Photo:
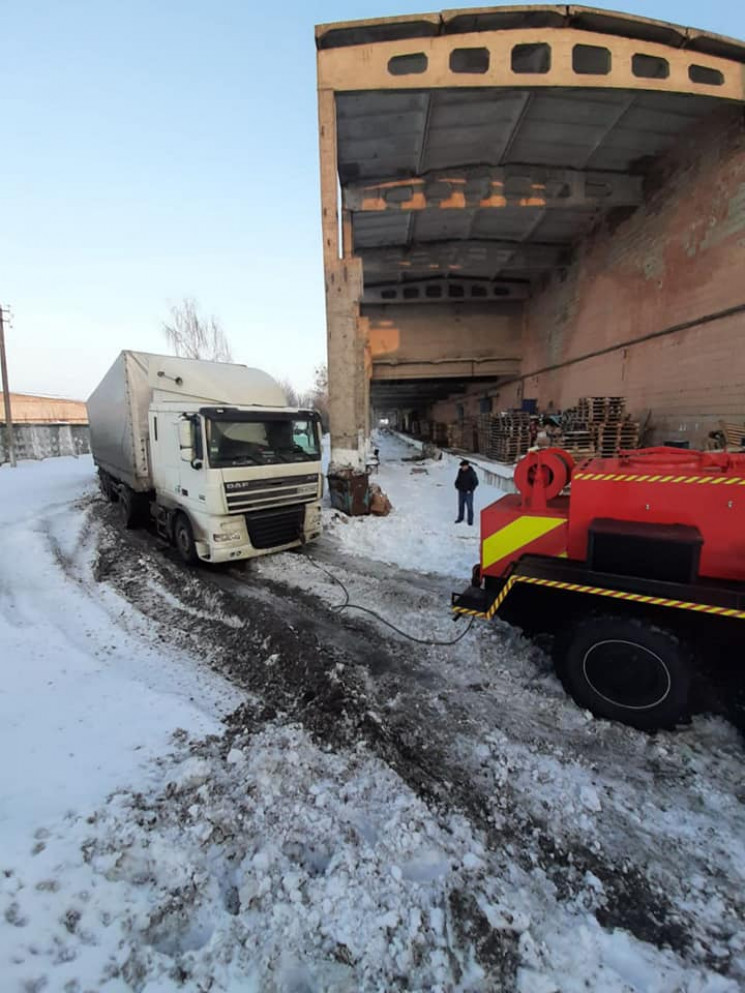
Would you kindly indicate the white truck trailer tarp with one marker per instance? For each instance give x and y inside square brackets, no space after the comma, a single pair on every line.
[117,414]
[118,407]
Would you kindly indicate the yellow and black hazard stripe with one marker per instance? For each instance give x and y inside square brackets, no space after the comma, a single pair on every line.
[622,477]
[699,608]
[517,535]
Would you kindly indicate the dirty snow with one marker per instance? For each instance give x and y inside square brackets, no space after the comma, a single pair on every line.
[147,845]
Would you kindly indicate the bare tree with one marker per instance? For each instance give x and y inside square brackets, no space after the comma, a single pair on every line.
[193,336]
[294,397]
[319,394]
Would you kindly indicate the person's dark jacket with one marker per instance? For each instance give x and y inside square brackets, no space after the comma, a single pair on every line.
[466,480]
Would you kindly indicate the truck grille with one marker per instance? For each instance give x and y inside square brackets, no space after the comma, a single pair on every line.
[272,528]
[257,494]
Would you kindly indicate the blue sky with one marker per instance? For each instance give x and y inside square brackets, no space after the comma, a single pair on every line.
[153,149]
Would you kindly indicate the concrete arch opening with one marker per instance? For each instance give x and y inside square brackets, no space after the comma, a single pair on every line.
[536,203]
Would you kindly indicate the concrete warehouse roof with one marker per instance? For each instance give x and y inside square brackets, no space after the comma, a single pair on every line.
[28,409]
[450,22]
[475,147]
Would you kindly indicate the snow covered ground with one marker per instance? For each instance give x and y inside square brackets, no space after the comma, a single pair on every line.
[214,782]
[85,697]
[420,533]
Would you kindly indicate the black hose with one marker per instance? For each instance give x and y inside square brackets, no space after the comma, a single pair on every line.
[338,608]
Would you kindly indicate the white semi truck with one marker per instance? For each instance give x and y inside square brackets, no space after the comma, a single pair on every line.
[210,452]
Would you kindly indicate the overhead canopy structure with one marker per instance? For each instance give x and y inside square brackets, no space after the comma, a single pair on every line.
[475,148]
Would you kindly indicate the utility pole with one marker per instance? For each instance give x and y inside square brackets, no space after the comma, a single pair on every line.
[6,392]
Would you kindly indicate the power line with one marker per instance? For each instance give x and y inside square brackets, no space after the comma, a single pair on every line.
[6,391]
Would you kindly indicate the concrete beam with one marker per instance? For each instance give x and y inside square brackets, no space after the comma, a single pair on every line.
[465,368]
[534,57]
[528,187]
[480,258]
[445,290]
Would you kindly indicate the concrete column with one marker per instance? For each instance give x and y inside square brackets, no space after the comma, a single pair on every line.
[346,335]
[346,362]
[364,330]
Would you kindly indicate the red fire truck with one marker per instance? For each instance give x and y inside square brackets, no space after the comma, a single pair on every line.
[636,566]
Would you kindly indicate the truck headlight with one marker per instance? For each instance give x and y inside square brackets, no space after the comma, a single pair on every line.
[233,535]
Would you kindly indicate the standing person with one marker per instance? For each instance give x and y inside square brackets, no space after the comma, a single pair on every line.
[465,483]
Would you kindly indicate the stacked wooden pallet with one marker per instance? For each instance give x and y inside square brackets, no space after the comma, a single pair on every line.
[504,437]
[734,436]
[597,410]
[617,436]
[598,426]
[576,435]
[440,434]
[461,434]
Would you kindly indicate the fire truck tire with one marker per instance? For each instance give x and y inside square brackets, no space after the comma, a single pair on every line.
[627,669]
[183,539]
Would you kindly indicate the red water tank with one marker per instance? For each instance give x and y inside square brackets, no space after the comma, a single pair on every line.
[705,490]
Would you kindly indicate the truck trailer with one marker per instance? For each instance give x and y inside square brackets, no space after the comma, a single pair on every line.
[210,453]
[635,565]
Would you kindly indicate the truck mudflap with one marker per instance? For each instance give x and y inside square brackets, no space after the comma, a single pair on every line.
[574,577]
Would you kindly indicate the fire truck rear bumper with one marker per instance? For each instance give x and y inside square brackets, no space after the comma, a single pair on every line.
[563,576]
[474,602]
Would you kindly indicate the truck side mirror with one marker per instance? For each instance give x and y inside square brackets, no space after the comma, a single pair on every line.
[186,440]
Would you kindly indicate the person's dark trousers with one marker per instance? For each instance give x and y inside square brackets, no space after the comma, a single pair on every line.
[465,502]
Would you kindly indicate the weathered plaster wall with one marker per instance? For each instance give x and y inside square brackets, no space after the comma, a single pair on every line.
[433,341]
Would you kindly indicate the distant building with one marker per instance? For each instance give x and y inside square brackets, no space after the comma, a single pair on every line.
[29,409]
[44,427]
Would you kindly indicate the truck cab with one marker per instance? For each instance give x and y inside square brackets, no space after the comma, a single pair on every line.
[210,452]
[250,481]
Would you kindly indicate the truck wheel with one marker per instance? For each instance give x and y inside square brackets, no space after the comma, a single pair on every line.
[183,539]
[626,669]
[128,507]
[107,488]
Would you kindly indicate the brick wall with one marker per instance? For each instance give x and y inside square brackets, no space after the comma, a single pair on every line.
[446,411]
[678,258]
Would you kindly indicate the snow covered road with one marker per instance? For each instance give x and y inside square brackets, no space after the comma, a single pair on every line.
[98,699]
[374,815]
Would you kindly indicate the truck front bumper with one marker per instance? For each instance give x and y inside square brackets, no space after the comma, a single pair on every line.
[307,527]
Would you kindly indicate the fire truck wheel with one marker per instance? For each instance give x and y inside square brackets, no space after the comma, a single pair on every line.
[627,669]
[183,539]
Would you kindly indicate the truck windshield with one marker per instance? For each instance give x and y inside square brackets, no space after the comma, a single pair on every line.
[261,442]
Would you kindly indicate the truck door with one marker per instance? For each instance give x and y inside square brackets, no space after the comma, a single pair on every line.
[165,461]
[192,471]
